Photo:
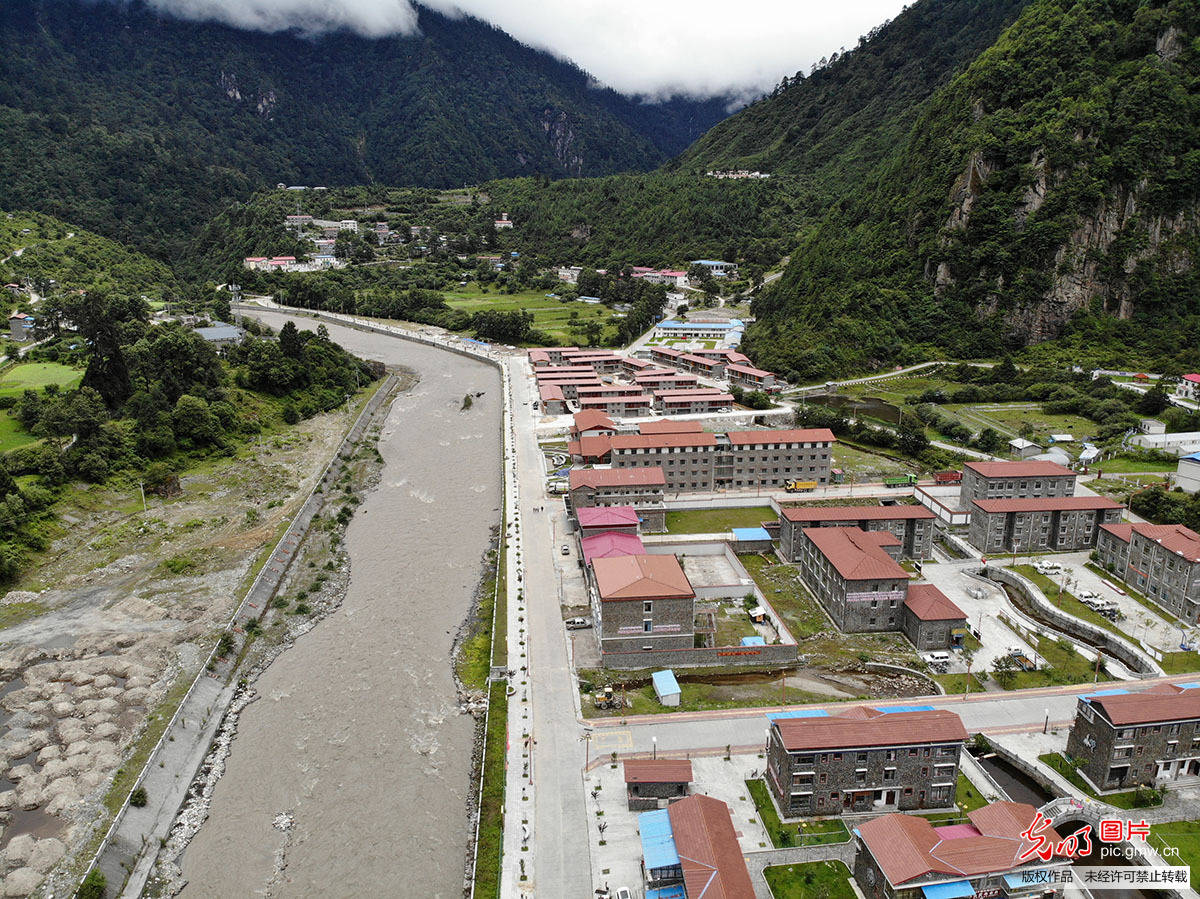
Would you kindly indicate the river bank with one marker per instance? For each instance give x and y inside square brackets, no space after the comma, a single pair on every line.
[355,763]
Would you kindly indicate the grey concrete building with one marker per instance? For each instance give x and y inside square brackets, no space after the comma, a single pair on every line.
[855,576]
[1123,739]
[1015,480]
[640,487]
[1041,524]
[864,759]
[931,620]
[912,525]
[1161,561]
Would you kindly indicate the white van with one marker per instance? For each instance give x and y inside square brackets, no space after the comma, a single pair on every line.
[938,657]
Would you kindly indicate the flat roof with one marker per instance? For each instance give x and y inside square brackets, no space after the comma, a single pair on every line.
[664,682]
[658,842]
[747,534]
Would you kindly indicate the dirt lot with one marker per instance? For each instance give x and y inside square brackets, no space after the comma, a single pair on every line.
[126,604]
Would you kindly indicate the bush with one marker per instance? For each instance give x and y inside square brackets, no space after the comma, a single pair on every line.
[138,797]
[94,886]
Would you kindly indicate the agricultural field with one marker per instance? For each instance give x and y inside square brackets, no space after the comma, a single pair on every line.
[550,314]
[36,375]
[1008,419]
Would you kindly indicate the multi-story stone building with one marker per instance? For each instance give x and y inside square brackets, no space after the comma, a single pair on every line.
[639,487]
[686,460]
[907,857]
[621,406]
[749,377]
[1162,561]
[665,380]
[692,401]
[855,577]
[1050,523]
[864,759]
[1015,480]
[643,604]
[930,619]
[912,525]
[1122,739]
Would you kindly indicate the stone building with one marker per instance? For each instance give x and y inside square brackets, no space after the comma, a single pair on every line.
[642,488]
[1161,561]
[854,576]
[1041,524]
[907,857]
[931,620]
[643,604]
[864,759]
[1123,739]
[1015,480]
[912,525]
[656,783]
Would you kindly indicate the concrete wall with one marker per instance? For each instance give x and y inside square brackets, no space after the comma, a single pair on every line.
[749,656]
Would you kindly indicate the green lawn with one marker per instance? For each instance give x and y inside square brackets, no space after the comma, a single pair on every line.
[717,521]
[787,595]
[1125,800]
[956,683]
[1066,666]
[827,880]
[815,832]
[1009,418]
[1129,464]
[966,797]
[697,697]
[35,375]
[1180,662]
[491,810]
[864,466]
[1068,602]
[549,314]
[1184,836]
[12,434]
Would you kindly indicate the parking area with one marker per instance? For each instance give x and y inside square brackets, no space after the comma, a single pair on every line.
[618,862]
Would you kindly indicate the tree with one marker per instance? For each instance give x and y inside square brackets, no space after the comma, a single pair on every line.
[289,340]
[193,420]
[100,317]
[910,438]
[1154,400]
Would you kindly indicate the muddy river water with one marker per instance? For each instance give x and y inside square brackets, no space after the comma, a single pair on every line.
[357,735]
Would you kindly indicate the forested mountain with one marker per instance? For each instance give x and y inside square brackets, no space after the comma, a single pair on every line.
[832,125]
[141,127]
[1051,189]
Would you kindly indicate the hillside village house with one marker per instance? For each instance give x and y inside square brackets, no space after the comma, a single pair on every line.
[1189,387]
[1161,561]
[1125,738]
[718,268]
[1187,473]
[864,759]
[908,857]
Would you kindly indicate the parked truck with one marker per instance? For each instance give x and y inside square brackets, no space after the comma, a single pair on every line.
[947,477]
[907,480]
[800,486]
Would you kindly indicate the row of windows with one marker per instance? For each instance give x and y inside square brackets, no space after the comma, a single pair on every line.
[809,758]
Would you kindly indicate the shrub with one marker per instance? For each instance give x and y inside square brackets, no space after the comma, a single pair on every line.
[94,886]
[138,797]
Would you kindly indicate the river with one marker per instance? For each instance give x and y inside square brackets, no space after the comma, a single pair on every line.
[357,735]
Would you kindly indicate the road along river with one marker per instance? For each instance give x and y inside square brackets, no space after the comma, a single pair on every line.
[358,736]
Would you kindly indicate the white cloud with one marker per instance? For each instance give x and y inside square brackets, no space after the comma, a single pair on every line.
[654,47]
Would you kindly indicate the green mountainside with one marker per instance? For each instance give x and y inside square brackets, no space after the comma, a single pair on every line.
[1050,190]
[832,125]
[142,127]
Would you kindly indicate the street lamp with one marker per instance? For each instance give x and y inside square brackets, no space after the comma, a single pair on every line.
[1046,726]
[654,743]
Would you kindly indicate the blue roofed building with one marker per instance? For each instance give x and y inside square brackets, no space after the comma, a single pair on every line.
[691,851]
[1187,473]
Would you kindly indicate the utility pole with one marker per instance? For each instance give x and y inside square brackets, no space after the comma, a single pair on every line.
[142,488]
[235,298]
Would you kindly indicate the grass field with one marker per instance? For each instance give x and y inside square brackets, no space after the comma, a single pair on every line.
[696,697]
[864,466]
[12,434]
[956,683]
[828,880]
[35,375]
[1129,465]
[1126,800]
[782,587]
[1184,836]
[807,833]
[1068,602]
[716,521]
[549,314]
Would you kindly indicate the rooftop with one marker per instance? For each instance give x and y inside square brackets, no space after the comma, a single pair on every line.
[747,370]
[646,475]
[1173,537]
[607,516]
[1047,504]
[658,771]
[929,603]
[713,866]
[641,577]
[1030,469]
[856,554]
[863,727]
[611,545]
[855,513]
[794,435]
[648,441]
[1148,706]
[593,418]
[670,426]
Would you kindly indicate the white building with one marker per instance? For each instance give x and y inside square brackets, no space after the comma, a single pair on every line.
[718,268]
[502,222]
[1022,448]
[1189,387]
[1187,475]
[1178,444]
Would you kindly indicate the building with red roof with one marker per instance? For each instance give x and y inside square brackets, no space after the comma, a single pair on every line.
[1129,738]
[641,487]
[693,845]
[1014,480]
[855,576]
[611,545]
[905,855]
[591,424]
[930,619]
[670,426]
[649,783]
[644,603]
[1040,524]
[1189,387]
[1162,561]
[912,524]
[594,519]
[863,759]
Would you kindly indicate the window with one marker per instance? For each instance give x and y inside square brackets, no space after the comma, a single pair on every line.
[647,607]
[647,626]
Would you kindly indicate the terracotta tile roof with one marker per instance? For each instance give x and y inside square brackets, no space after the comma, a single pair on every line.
[651,441]
[853,732]
[1173,537]
[593,418]
[1047,504]
[666,351]
[700,360]
[658,771]
[592,448]
[856,513]
[641,577]
[656,373]
[612,390]
[670,426]
[929,603]
[748,370]
[856,554]
[1123,531]
[550,392]
[1147,708]
[639,400]
[713,866]
[1030,469]
[907,847]
[611,545]
[795,435]
[607,516]
[647,475]
[683,392]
